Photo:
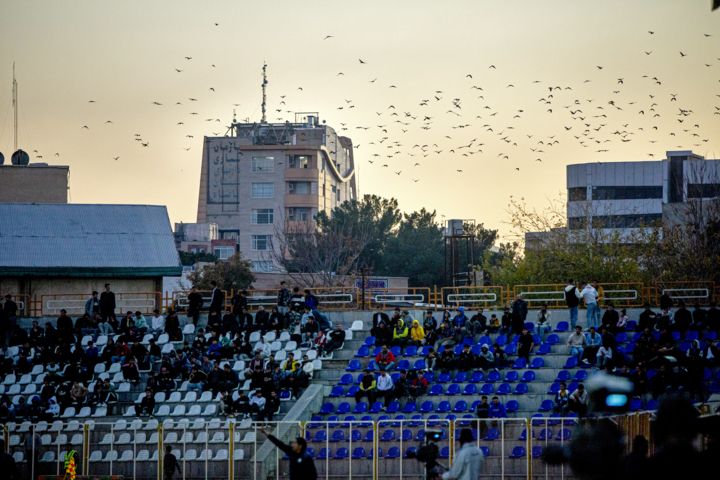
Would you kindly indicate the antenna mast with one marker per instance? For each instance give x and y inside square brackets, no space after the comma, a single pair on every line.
[15,107]
[264,117]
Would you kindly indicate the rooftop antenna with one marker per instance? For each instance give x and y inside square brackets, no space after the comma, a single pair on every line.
[264,118]
[15,107]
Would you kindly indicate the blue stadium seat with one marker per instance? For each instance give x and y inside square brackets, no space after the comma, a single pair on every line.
[388,436]
[630,325]
[460,406]
[352,390]
[427,407]
[418,365]
[345,408]
[714,387]
[484,340]
[518,452]
[676,336]
[327,408]
[637,336]
[621,337]
[436,389]
[537,363]
[395,376]
[443,378]
[453,389]
[420,435]
[415,421]
[530,326]
[538,419]
[320,436]
[580,376]
[630,347]
[376,352]
[544,349]
[409,450]
[536,339]
[445,452]
[546,406]
[684,347]
[354,366]
[467,420]
[562,327]
[487,389]
[372,366]
[403,365]
[311,451]
[397,420]
[332,419]
[554,388]
[515,339]
[429,376]
[368,436]
[635,404]
[425,350]
[346,379]
[337,436]
[710,335]
[460,377]
[370,456]
[324,453]
[407,435]
[361,407]
[476,377]
[511,376]
[369,342]
[315,425]
[492,434]
[467,341]
[410,351]
[443,407]
[358,452]
[458,350]
[337,391]
[545,434]
[409,407]
[493,377]
[652,404]
[396,351]
[359,378]
[501,340]
[555,419]
[470,389]
[563,434]
[537,452]
[376,407]
[523,435]
[521,389]
[572,362]
[708,374]
[552,339]
[511,349]
[362,352]
[504,389]
[512,406]
[528,376]
[485,451]
[393,407]
[519,363]
[474,405]
[347,420]
[393,452]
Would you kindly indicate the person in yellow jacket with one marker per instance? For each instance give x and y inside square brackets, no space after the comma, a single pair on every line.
[417,334]
[400,336]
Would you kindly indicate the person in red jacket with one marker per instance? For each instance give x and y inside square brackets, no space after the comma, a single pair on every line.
[418,386]
[385,359]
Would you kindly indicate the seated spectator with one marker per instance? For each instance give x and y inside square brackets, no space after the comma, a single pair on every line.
[382,334]
[466,359]
[241,405]
[36,335]
[461,325]
[172,327]
[712,318]
[604,357]
[447,361]
[543,321]
[229,322]
[130,371]
[593,343]
[308,367]
[154,354]
[385,360]
[431,360]
[230,379]
[92,355]
[214,380]
[140,353]
[384,388]
[335,341]
[621,323]
[710,354]
[525,345]
[499,357]
[445,333]
[147,404]
[151,383]
[255,363]
[663,381]
[277,320]
[699,318]
[561,400]
[506,322]
[665,320]
[485,359]
[320,343]
[140,323]
[429,327]
[310,329]
[121,352]
[53,408]
[494,324]
[257,404]
[417,335]
[647,319]
[682,317]
[78,393]
[157,324]
[610,317]
[478,322]
[379,316]
[578,401]
[367,388]
[165,381]
[214,350]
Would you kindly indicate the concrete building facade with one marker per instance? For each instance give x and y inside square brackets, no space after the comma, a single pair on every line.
[34,183]
[263,175]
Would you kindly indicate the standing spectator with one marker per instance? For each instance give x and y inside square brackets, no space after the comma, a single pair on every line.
[239,303]
[683,318]
[543,321]
[172,327]
[590,296]
[157,324]
[468,462]
[572,301]
[385,360]
[283,298]
[195,303]
[712,318]
[107,304]
[525,345]
[699,317]
[36,335]
[7,463]
[385,388]
[311,301]
[576,344]
[302,466]
[600,292]
[578,401]
[506,322]
[482,410]
[297,301]
[147,404]
[518,311]
[336,340]
[561,400]
[272,405]
[9,312]
[92,306]
[379,316]
[367,388]
[170,464]
[217,299]
[33,451]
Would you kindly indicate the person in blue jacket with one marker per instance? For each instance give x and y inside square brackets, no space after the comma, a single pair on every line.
[460,327]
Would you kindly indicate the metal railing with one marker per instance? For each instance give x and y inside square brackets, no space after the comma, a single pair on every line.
[473,297]
[410,297]
[74,303]
[180,300]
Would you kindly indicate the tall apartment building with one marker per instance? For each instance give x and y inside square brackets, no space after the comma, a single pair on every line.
[624,195]
[262,175]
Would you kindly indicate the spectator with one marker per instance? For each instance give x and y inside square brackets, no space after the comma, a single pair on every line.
[478,322]
[157,324]
[494,324]
[130,371]
[647,319]
[337,338]
[217,298]
[430,360]
[699,317]
[576,344]
[543,321]
[165,381]
[382,334]
[140,323]
[590,296]
[147,404]
[262,320]
[518,312]
[604,357]
[466,360]
[460,325]
[139,353]
[407,318]
[446,333]
[78,393]
[482,410]
[499,357]
[447,360]
[7,463]
[241,405]
[561,400]
[230,379]
[593,343]
[379,316]
[214,350]
[506,322]
[297,301]
[272,406]
[311,301]
[621,323]
[214,380]
[683,318]
[121,352]
[320,343]
[525,345]
[367,388]
[400,335]
[283,298]
[107,304]
[572,301]
[384,388]
[385,360]
[417,334]
[611,317]
[401,387]
[33,450]
[665,320]
[291,365]
[710,354]
[170,464]
[154,353]
[486,358]
[310,329]
[712,318]
[578,401]
[497,409]
[277,320]
[418,386]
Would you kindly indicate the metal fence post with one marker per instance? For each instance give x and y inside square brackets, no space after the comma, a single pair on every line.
[231,453]
[528,453]
[161,453]
[86,447]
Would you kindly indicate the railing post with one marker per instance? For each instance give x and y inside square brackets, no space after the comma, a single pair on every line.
[160,451]
[86,447]
[528,448]
[231,453]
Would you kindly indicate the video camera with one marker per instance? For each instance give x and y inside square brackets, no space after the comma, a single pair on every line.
[429,453]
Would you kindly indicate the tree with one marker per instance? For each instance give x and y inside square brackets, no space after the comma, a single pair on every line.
[191,258]
[235,273]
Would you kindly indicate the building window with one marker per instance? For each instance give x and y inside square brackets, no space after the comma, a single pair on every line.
[263,190]
[299,213]
[262,216]
[626,221]
[263,164]
[299,161]
[197,250]
[626,193]
[262,267]
[577,194]
[224,253]
[703,190]
[298,188]
[229,234]
[577,223]
[261,243]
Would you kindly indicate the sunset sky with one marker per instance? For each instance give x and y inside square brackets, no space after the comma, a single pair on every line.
[123,55]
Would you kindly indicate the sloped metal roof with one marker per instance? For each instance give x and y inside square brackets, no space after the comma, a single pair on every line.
[82,240]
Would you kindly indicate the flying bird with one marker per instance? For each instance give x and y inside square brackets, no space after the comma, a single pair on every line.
[361,61]
[115,158]
[329,36]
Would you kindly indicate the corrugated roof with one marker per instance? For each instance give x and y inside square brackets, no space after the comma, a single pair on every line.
[77,240]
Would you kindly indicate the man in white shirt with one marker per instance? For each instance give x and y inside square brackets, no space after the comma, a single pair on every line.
[384,386]
[263,347]
[157,324]
[257,403]
[578,401]
[576,344]
[590,295]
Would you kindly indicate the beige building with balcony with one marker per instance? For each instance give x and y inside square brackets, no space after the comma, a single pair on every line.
[262,175]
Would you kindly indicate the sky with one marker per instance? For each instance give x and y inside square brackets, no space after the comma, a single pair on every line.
[468,81]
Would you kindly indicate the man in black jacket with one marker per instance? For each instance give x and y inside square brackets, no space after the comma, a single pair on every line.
[572,301]
[195,303]
[302,466]
[379,316]
[107,304]
[335,340]
[271,406]
[10,469]
[170,464]
[218,298]
[283,298]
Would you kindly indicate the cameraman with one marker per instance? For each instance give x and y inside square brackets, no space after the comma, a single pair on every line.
[468,462]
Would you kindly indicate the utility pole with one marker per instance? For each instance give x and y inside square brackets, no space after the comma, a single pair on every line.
[264,117]
[15,108]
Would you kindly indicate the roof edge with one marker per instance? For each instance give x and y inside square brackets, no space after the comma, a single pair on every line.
[90,272]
